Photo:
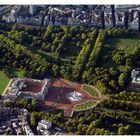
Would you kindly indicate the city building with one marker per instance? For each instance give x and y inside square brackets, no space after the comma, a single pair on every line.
[4,10]
[45,124]
[27,88]
[135,76]
[13,121]
[102,16]
[32,9]
[30,21]
[43,127]
[27,129]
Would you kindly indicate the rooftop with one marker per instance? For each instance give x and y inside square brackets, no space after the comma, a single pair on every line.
[24,87]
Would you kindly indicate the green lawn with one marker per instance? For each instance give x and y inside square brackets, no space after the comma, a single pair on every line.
[126,44]
[121,43]
[91,90]
[132,47]
[4,80]
[86,105]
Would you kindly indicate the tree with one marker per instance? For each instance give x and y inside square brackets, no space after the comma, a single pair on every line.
[34,105]
[84,36]
[124,130]
[83,57]
[123,93]
[119,57]
[128,130]
[22,103]
[47,35]
[8,104]
[35,64]
[56,70]
[129,62]
[112,83]
[20,37]
[121,131]
[34,119]
[122,79]
[79,127]
[97,49]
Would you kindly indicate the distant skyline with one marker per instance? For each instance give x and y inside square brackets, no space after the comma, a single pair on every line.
[101,16]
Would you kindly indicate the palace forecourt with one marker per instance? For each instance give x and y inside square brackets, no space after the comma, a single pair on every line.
[52,94]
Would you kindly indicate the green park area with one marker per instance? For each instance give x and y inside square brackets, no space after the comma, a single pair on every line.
[91,90]
[122,43]
[126,44]
[4,79]
[85,106]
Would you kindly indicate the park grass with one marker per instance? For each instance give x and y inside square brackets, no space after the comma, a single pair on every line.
[4,80]
[85,106]
[126,44]
[133,47]
[121,43]
[91,90]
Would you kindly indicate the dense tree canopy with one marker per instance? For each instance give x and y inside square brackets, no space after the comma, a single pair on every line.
[79,54]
